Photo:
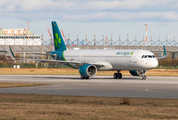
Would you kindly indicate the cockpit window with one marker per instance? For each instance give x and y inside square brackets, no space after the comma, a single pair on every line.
[149,56]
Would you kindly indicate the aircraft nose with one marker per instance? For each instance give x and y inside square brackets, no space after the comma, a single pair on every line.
[154,63]
[151,64]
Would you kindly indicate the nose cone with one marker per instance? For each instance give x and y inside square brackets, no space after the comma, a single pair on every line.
[153,63]
[150,64]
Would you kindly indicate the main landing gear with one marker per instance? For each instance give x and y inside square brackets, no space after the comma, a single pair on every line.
[117,75]
[82,77]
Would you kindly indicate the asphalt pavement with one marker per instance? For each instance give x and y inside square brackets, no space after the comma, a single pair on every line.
[129,86]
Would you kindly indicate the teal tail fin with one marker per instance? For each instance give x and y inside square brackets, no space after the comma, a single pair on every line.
[59,43]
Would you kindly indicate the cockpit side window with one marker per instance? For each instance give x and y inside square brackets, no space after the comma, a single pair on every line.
[153,56]
[143,56]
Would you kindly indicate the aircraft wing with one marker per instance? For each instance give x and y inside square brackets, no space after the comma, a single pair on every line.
[165,54]
[43,54]
[44,60]
[97,64]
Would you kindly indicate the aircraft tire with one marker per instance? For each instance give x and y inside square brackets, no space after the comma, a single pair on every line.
[115,75]
[120,76]
[82,77]
[143,77]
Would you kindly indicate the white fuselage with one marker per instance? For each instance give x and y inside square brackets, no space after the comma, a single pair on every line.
[119,59]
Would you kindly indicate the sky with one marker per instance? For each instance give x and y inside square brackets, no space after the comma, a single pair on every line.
[99,17]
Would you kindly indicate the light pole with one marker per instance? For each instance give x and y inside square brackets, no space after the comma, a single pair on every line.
[146,33]
[28,29]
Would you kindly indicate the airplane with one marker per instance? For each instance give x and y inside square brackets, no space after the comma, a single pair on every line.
[89,61]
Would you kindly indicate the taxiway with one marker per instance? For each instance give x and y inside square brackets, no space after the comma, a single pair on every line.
[129,86]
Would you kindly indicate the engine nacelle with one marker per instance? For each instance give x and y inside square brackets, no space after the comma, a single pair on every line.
[138,72]
[88,70]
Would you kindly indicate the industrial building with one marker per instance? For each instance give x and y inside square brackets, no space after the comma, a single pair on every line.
[21,36]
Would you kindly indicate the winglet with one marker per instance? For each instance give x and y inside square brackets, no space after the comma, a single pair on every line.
[165,54]
[12,52]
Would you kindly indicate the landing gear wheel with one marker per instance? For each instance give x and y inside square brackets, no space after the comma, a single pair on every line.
[115,75]
[82,77]
[120,76]
[143,77]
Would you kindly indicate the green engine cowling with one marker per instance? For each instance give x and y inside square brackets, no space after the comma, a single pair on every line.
[88,70]
[138,72]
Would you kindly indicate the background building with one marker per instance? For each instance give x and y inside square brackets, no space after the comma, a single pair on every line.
[21,36]
[24,42]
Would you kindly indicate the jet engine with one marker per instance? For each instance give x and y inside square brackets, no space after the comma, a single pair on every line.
[137,72]
[87,71]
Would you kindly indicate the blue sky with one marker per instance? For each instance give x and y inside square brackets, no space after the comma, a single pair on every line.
[116,17]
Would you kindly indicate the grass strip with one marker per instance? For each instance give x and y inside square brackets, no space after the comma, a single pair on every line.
[68,71]
[7,85]
[30,106]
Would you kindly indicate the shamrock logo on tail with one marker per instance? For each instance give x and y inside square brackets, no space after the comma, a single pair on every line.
[57,40]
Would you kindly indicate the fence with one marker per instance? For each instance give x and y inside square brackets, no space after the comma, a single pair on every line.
[120,42]
[25,65]
[167,67]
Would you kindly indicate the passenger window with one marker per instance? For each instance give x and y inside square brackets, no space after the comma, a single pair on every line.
[145,56]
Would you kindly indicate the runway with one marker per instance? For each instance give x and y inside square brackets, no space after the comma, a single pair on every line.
[129,86]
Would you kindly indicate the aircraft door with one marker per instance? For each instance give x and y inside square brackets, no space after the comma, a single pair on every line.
[134,59]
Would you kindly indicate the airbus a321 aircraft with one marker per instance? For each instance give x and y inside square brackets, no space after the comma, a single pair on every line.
[137,62]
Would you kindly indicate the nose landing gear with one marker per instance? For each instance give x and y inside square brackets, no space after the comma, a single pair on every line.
[143,77]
